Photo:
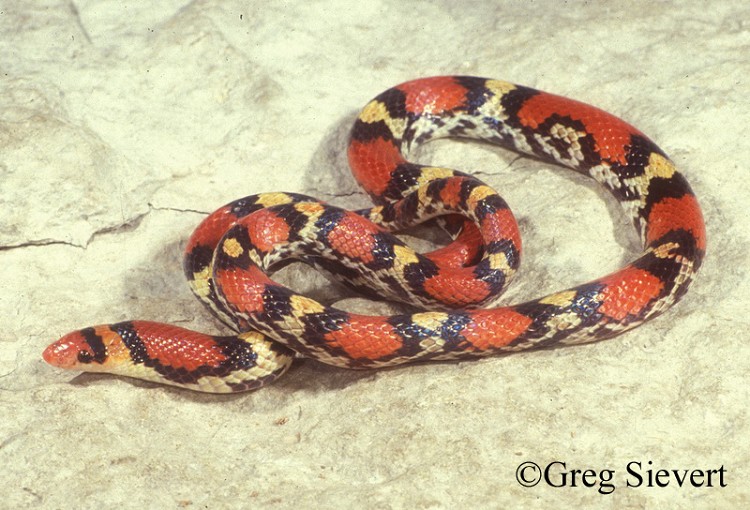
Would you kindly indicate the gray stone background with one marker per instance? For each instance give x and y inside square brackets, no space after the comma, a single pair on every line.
[122,124]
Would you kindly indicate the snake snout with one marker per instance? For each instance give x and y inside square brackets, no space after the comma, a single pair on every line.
[61,354]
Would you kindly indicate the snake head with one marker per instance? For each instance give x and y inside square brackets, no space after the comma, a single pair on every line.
[85,349]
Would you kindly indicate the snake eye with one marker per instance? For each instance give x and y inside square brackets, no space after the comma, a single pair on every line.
[85,357]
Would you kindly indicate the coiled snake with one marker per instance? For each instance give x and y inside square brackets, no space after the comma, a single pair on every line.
[229,256]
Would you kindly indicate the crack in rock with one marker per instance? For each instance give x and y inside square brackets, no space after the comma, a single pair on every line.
[126,226]
[177,209]
[38,242]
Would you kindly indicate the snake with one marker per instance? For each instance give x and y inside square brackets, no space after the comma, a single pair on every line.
[450,292]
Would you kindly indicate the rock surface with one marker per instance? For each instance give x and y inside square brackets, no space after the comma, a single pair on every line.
[122,124]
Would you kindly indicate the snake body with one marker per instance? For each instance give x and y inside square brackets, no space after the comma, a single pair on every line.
[231,253]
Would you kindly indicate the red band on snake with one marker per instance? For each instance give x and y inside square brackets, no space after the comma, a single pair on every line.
[231,254]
